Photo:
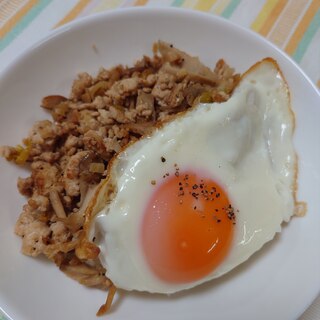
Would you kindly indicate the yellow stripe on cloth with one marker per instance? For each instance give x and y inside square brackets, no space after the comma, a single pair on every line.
[17,17]
[73,13]
[290,16]
[107,5]
[204,5]
[302,27]
[273,17]
[221,6]
[189,3]
[263,15]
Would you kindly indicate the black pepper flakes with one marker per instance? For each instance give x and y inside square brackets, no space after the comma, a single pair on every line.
[163,159]
[195,195]
[230,213]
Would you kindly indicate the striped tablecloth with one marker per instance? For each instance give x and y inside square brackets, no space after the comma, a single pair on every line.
[293,25]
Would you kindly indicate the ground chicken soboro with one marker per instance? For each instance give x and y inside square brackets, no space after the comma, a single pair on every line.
[69,154]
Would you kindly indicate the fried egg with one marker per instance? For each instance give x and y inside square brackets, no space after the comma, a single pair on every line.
[203,192]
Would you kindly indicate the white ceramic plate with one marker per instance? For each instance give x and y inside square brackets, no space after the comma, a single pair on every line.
[279,282]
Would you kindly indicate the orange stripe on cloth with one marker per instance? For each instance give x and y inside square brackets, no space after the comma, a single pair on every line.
[290,16]
[273,17]
[17,17]
[73,13]
[8,8]
[302,27]
[140,2]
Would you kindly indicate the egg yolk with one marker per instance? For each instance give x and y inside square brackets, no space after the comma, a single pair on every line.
[187,228]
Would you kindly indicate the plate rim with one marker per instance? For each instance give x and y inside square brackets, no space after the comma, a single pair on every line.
[80,22]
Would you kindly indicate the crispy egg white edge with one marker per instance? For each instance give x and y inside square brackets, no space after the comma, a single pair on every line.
[139,277]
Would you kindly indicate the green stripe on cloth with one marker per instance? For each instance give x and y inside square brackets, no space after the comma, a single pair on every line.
[307,38]
[23,23]
[232,6]
[177,3]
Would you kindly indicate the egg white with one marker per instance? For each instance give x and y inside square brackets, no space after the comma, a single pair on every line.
[245,144]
